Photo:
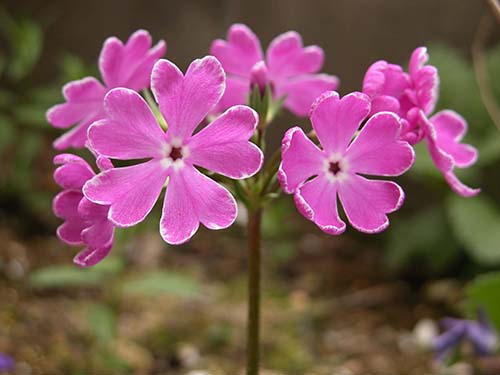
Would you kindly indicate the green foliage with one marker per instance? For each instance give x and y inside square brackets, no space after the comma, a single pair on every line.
[25,40]
[69,276]
[482,292]
[424,236]
[476,223]
[102,320]
[162,282]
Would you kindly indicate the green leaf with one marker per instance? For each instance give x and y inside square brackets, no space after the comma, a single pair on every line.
[6,132]
[26,42]
[458,89]
[482,292]
[66,276]
[161,282]
[103,322]
[476,222]
[489,148]
[31,114]
[73,67]
[424,236]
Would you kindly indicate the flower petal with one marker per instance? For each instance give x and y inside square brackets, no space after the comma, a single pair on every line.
[139,60]
[366,202]
[458,186]
[377,150]
[99,235]
[77,137]
[383,78]
[237,91]
[70,231]
[89,257]
[110,60]
[129,65]
[425,80]
[450,129]
[301,159]
[130,191]
[443,160]
[385,103]
[130,130]
[192,198]
[240,52]
[287,57]
[224,147]
[92,212]
[186,100]
[317,201]
[73,172]
[83,100]
[301,91]
[65,204]
[336,120]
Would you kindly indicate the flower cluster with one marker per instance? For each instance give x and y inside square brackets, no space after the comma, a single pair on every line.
[413,96]
[288,68]
[85,223]
[169,144]
[121,65]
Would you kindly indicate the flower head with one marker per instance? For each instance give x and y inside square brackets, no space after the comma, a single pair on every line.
[131,131]
[6,362]
[479,333]
[121,65]
[85,223]
[290,69]
[318,176]
[413,97]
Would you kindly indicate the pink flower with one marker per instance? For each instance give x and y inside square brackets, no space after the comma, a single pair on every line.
[85,223]
[413,96]
[121,65]
[289,68]
[317,176]
[131,131]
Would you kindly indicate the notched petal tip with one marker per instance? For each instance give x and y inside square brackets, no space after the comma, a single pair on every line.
[320,99]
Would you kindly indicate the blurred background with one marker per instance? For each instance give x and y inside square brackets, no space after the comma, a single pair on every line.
[349,305]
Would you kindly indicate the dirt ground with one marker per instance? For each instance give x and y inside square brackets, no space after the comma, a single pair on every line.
[328,308]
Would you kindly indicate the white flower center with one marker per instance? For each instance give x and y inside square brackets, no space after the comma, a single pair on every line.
[174,154]
[336,167]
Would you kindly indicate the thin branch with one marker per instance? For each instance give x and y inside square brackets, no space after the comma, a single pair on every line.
[495,8]
[477,51]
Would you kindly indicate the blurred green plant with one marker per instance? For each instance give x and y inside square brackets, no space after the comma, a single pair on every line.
[162,282]
[482,292]
[69,276]
[25,135]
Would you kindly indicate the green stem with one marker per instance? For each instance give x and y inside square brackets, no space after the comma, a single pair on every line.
[253,325]
[270,170]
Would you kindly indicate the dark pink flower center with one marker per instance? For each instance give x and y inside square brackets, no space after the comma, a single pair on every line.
[176,153]
[334,167]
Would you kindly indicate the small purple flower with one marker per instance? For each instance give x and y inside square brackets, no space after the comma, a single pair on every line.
[288,67]
[85,223]
[413,96]
[6,362]
[131,131]
[121,65]
[479,333]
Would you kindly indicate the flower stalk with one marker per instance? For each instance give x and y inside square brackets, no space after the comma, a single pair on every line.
[254,274]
